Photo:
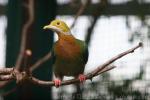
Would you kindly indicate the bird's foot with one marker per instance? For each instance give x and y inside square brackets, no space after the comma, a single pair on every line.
[57,82]
[82,78]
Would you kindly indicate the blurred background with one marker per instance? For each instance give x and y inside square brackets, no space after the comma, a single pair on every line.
[109,27]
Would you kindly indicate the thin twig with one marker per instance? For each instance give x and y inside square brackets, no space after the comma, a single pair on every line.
[106,69]
[101,67]
[4,83]
[90,30]
[80,11]
[5,70]
[6,77]
[9,92]
[39,62]
[102,5]
[99,70]
[26,26]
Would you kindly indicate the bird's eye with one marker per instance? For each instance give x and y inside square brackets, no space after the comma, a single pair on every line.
[58,23]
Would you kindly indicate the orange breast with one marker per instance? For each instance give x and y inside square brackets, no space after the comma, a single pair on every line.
[67,48]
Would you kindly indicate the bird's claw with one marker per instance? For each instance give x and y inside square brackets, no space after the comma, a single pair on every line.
[82,78]
[57,82]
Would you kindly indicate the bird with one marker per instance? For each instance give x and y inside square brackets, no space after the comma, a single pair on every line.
[70,54]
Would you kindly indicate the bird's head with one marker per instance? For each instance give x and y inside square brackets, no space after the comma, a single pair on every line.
[58,26]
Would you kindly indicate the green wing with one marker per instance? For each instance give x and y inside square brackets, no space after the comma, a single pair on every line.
[84,49]
[85,53]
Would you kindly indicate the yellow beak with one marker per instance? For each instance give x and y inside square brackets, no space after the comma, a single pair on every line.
[47,27]
[53,28]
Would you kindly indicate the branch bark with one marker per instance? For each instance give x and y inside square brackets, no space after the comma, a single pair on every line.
[99,70]
[102,6]
[4,83]
[5,70]
[80,11]
[9,92]
[30,8]
[8,74]
[6,77]
[101,67]
[40,61]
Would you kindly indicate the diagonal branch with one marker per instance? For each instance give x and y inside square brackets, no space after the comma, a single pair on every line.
[26,26]
[102,5]
[90,30]
[4,83]
[40,61]
[106,69]
[101,69]
[9,92]
[80,11]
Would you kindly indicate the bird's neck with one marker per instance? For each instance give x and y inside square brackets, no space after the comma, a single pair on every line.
[69,38]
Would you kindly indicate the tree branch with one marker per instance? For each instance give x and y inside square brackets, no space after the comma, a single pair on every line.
[30,7]
[9,92]
[6,77]
[102,5]
[40,61]
[8,74]
[106,69]
[5,70]
[80,11]
[4,83]
[101,69]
